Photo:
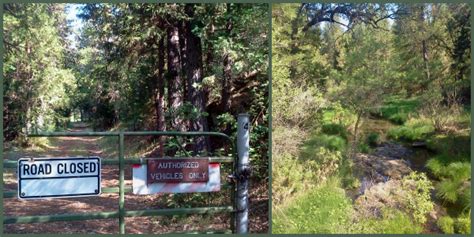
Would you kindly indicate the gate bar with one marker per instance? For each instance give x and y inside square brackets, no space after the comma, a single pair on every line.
[115,214]
[128,189]
[130,161]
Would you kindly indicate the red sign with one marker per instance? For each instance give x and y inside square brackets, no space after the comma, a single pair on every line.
[189,170]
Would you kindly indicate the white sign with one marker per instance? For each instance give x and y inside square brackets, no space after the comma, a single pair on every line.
[58,177]
[140,186]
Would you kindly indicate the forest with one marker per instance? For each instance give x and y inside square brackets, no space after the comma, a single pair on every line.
[135,67]
[371,108]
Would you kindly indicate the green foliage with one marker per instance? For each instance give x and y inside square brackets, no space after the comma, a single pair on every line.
[289,177]
[455,146]
[398,109]
[38,85]
[373,139]
[334,129]
[448,190]
[294,176]
[453,168]
[337,114]
[392,221]
[413,130]
[364,148]
[331,142]
[446,224]
[325,209]
[418,195]
[463,224]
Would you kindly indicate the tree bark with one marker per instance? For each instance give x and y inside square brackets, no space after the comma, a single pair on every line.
[355,141]
[227,73]
[194,78]
[175,84]
[160,94]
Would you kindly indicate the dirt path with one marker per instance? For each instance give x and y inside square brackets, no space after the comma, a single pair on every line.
[90,146]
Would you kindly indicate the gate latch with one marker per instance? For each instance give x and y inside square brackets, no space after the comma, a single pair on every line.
[241,175]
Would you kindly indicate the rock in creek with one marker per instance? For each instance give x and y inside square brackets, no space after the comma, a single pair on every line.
[385,163]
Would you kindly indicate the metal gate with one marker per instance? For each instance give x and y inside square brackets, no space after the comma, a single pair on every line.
[236,181]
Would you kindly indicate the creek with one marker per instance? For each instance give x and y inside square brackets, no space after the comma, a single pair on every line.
[416,158]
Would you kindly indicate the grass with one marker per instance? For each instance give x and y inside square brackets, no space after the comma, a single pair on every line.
[392,221]
[458,145]
[412,130]
[331,142]
[325,209]
[398,110]
[334,129]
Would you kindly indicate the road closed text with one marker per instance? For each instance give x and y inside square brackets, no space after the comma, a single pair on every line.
[59,168]
[58,177]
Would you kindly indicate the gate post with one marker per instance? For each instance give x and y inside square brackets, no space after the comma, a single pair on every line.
[243,172]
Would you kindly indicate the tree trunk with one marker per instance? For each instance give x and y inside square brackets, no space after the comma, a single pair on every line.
[175,84]
[355,141]
[160,93]
[227,73]
[424,46]
[194,78]
[182,53]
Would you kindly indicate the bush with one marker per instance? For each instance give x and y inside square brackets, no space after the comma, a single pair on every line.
[393,221]
[435,166]
[457,148]
[373,139]
[334,129]
[325,209]
[330,142]
[289,176]
[446,224]
[417,198]
[292,175]
[364,148]
[463,224]
[413,130]
[399,118]
[455,176]
[411,195]
[397,110]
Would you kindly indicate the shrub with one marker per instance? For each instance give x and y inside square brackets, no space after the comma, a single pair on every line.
[448,190]
[463,224]
[292,175]
[334,129]
[392,221]
[435,166]
[364,148]
[465,197]
[330,142]
[289,177]
[397,110]
[399,118]
[446,224]
[411,195]
[373,139]
[417,198]
[457,148]
[325,209]
[413,130]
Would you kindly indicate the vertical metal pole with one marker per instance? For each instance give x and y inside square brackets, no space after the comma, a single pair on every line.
[243,140]
[121,184]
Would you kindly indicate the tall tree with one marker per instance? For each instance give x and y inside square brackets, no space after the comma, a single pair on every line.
[194,79]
